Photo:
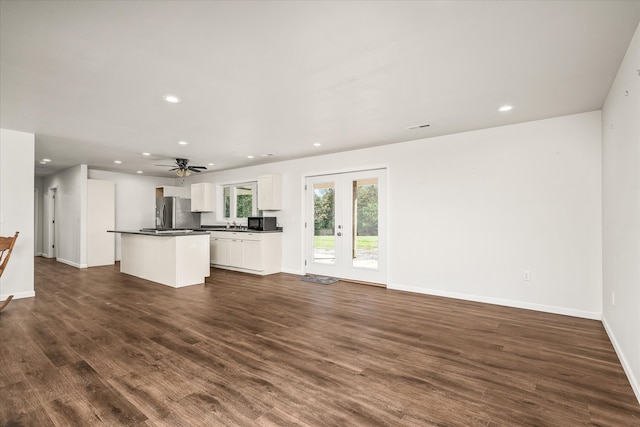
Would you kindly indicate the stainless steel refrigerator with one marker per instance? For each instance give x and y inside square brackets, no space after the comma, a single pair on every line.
[174,213]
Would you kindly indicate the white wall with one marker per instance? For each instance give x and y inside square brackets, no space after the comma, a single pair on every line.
[70,215]
[135,199]
[17,151]
[484,206]
[621,213]
[40,194]
[500,201]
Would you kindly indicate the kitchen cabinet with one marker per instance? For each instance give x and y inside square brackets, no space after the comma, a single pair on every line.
[235,253]
[257,253]
[203,197]
[170,191]
[270,192]
[252,258]
[219,251]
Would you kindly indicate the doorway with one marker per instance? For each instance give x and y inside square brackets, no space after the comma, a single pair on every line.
[52,251]
[346,226]
[36,223]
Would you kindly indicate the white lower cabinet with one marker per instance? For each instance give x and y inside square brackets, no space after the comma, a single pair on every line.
[219,251]
[252,258]
[235,253]
[257,253]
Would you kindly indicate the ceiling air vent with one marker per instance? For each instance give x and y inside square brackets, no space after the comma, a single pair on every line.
[418,126]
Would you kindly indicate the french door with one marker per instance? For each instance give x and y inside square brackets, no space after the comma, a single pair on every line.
[346,226]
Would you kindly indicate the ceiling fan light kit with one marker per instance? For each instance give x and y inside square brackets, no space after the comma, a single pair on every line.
[183,169]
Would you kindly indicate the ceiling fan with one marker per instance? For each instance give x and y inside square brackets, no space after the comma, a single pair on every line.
[182,167]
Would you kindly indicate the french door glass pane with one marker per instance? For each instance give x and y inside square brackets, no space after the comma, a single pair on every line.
[324,241]
[364,248]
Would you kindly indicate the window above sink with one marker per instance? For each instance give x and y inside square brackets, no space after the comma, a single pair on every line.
[240,201]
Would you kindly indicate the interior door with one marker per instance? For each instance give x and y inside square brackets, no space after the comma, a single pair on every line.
[346,226]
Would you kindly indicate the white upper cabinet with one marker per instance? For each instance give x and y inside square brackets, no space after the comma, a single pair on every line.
[270,192]
[203,197]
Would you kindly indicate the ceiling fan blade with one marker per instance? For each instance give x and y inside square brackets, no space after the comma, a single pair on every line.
[183,165]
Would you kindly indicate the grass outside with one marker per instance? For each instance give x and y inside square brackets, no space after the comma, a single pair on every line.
[362,242]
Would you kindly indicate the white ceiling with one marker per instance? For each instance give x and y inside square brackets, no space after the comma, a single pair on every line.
[88,78]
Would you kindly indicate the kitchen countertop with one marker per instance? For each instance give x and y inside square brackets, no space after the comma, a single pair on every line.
[237,230]
[190,232]
[160,233]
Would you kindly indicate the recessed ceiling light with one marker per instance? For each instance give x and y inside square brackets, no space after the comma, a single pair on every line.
[249,157]
[117,161]
[182,142]
[172,99]
[42,162]
[146,154]
[505,108]
[267,155]
[46,160]
[317,144]
[426,125]
[210,164]
[139,172]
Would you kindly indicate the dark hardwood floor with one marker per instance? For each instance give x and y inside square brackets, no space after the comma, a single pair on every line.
[96,347]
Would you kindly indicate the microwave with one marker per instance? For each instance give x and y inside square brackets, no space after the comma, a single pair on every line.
[261,223]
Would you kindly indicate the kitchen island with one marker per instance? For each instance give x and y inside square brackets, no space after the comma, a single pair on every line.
[173,258]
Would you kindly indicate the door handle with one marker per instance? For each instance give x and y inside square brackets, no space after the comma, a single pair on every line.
[164,216]
[339,234]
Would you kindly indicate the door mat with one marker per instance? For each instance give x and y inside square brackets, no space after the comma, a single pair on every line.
[324,280]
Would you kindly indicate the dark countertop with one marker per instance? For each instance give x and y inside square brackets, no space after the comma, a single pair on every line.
[161,233]
[236,230]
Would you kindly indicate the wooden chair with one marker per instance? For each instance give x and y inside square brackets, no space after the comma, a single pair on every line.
[6,246]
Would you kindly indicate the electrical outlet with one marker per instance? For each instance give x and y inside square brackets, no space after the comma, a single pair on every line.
[613,298]
[526,275]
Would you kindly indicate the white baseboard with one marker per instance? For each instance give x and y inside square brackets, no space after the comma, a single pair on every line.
[623,361]
[500,301]
[19,295]
[297,272]
[71,263]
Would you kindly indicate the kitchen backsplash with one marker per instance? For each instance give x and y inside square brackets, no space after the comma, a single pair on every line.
[207,218]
